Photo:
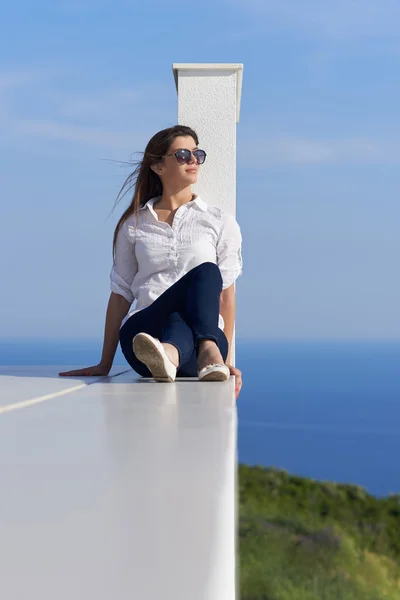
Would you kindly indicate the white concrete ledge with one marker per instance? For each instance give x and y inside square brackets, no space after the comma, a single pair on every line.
[123,488]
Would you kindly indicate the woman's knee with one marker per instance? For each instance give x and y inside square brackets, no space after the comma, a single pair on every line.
[210,269]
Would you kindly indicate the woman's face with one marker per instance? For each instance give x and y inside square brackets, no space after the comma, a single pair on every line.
[171,171]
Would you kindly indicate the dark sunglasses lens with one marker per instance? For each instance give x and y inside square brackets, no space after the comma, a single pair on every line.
[182,156]
[200,156]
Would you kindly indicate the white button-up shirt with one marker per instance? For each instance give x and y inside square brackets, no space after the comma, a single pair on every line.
[151,255]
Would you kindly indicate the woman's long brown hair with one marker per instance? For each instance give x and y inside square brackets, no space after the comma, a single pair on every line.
[145,181]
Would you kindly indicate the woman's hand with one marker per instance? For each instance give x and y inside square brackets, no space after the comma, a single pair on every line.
[99,369]
[238,379]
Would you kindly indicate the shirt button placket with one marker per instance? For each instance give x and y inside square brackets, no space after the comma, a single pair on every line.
[174,248]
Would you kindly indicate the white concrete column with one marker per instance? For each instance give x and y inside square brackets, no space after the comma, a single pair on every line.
[209,101]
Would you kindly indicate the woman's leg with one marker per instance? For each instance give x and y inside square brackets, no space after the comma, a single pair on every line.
[201,297]
[173,330]
[189,368]
[137,323]
[195,297]
[176,331]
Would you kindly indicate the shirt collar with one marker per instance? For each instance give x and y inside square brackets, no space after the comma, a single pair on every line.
[197,201]
[200,203]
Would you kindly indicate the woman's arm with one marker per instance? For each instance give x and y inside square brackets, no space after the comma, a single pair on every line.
[117,309]
[229,260]
[123,272]
[227,307]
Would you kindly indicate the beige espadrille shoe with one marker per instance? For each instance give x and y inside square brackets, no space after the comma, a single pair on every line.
[150,351]
[214,372]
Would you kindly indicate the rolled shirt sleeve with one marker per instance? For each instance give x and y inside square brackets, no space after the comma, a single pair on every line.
[229,250]
[125,264]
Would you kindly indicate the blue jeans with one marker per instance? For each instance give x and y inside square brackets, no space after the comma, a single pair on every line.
[184,314]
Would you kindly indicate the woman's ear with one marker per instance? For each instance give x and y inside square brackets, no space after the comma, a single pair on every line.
[156,168]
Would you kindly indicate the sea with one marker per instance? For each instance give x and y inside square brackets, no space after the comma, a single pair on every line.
[327,410]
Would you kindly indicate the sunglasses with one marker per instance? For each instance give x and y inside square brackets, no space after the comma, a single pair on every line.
[183,156]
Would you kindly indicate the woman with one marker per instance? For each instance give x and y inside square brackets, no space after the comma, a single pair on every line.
[179,258]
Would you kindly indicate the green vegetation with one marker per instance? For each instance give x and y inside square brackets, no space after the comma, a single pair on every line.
[300,539]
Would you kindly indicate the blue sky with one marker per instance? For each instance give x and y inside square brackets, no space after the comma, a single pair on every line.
[318,156]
